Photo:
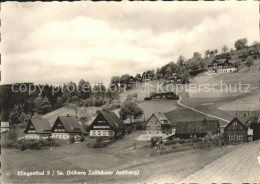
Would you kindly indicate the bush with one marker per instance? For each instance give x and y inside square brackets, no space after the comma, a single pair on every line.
[99,143]
[147,98]
[173,141]
[72,140]
[24,144]
[153,141]
[82,138]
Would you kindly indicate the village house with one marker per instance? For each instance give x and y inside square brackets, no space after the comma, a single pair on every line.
[174,79]
[131,80]
[158,123]
[166,95]
[253,127]
[236,132]
[4,126]
[147,76]
[221,66]
[195,129]
[106,125]
[37,128]
[66,127]
[138,78]
[115,103]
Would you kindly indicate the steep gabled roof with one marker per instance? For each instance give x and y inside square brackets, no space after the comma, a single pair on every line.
[40,125]
[160,117]
[191,127]
[71,124]
[112,119]
[239,120]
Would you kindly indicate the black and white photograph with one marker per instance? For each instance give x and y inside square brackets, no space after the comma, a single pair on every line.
[130,92]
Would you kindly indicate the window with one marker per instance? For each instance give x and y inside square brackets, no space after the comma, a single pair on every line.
[93,132]
[101,121]
[231,137]
[99,132]
[239,137]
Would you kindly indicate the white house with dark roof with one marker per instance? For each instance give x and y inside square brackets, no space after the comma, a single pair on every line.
[66,127]
[221,66]
[37,128]
[106,125]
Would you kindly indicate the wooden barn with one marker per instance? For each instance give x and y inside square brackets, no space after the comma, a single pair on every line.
[106,125]
[66,127]
[158,123]
[37,128]
[235,132]
[195,129]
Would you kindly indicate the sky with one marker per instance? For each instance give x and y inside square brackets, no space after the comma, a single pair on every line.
[59,42]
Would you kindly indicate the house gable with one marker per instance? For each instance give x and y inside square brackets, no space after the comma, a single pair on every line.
[235,125]
[153,123]
[100,122]
[58,127]
[30,129]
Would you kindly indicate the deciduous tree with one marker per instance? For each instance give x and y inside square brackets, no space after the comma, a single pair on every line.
[130,110]
[241,43]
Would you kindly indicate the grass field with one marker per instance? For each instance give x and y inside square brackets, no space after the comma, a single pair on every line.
[119,156]
[248,103]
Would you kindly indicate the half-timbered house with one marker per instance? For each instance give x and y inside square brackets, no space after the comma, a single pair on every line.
[158,123]
[37,128]
[221,66]
[66,127]
[235,132]
[195,129]
[106,125]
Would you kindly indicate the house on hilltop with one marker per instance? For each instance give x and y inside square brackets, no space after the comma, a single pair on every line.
[138,78]
[106,125]
[131,80]
[147,75]
[174,79]
[37,128]
[158,123]
[66,127]
[221,66]
[195,129]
